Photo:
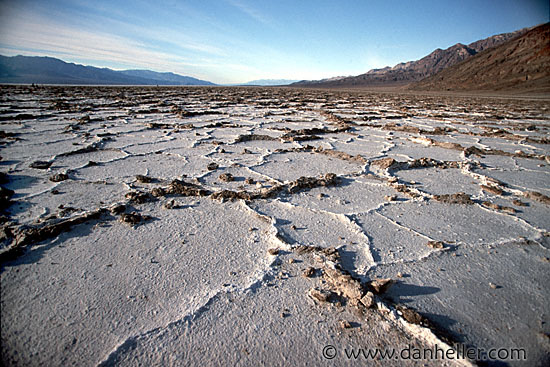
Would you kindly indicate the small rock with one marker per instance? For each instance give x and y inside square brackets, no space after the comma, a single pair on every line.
[118,209]
[309,272]
[380,285]
[169,204]
[158,192]
[249,181]
[390,197]
[59,177]
[143,179]
[368,299]
[320,295]
[132,218]
[344,324]
[273,251]
[291,261]
[246,151]
[410,315]
[226,177]
[212,166]
[400,275]
[493,286]
[331,253]
[343,282]
[435,244]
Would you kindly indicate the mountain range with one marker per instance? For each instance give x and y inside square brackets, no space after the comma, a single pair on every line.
[49,70]
[520,57]
[520,64]
[517,61]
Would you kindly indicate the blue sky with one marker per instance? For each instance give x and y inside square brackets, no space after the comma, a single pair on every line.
[233,41]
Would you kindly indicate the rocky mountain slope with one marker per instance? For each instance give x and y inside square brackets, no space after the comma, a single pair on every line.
[412,71]
[520,64]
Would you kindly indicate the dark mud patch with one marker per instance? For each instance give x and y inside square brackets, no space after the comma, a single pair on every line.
[40,164]
[458,198]
[136,197]
[254,137]
[302,183]
[182,188]
[384,163]
[134,218]
[28,235]
[492,190]
[537,196]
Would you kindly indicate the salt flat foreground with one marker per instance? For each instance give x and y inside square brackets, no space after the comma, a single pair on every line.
[250,226]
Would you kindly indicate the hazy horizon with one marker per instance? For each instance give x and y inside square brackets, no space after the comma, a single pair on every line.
[237,41]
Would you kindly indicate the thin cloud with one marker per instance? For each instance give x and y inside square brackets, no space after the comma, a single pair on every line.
[35,35]
[250,11]
[159,48]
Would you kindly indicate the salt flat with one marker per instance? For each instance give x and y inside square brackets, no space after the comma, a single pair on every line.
[256,226]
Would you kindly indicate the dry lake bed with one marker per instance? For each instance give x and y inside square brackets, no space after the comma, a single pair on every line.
[256,226]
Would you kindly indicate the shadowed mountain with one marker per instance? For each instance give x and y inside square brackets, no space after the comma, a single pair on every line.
[521,64]
[408,72]
[168,78]
[49,70]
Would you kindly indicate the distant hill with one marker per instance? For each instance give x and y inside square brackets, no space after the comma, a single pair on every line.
[519,64]
[169,78]
[49,70]
[408,72]
[270,82]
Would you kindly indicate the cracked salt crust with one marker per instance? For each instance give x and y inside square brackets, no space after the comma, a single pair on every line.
[107,292]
